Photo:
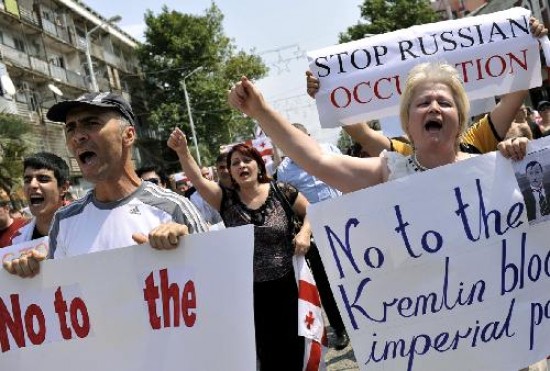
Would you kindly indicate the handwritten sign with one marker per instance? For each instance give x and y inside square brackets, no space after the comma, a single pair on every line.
[360,80]
[440,270]
[135,308]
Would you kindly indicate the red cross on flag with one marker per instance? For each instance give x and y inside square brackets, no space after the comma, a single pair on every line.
[310,317]
[262,144]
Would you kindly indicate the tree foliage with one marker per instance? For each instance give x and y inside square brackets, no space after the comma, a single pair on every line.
[13,147]
[175,45]
[383,16]
[344,141]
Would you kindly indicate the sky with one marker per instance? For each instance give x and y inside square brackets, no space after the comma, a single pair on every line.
[280,31]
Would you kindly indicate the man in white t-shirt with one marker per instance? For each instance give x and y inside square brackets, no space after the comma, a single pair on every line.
[121,209]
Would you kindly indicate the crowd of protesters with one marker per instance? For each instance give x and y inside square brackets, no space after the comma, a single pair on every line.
[141,207]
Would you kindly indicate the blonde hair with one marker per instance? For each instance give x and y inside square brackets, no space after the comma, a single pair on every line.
[435,72]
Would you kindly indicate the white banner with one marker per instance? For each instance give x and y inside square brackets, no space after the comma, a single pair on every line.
[135,308]
[442,270]
[362,80]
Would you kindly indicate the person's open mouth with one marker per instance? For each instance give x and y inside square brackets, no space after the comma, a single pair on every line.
[87,157]
[36,200]
[433,126]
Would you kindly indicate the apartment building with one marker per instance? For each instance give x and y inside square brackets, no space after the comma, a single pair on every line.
[43,59]
[463,8]
[456,8]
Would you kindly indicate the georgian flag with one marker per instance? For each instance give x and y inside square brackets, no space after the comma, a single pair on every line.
[258,131]
[262,144]
[310,317]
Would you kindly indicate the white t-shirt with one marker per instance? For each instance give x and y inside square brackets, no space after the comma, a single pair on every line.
[88,225]
[210,215]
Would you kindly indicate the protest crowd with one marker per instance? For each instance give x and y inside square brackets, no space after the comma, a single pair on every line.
[239,189]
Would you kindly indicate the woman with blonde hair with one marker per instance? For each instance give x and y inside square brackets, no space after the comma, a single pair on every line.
[434,112]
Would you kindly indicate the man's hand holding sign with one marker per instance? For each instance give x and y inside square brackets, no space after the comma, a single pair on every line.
[23,259]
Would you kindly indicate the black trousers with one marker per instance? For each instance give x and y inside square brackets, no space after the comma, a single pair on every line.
[327,298]
[278,346]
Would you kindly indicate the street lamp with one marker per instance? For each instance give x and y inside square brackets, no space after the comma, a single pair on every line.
[191,123]
[93,80]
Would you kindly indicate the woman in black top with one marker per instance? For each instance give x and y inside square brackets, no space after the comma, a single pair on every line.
[254,200]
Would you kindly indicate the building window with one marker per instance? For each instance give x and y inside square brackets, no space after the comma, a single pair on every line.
[19,44]
[80,32]
[57,61]
[47,15]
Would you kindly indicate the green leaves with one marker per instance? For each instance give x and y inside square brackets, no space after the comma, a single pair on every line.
[12,149]
[383,16]
[176,44]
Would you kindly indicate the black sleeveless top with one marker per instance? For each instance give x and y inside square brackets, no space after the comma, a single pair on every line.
[273,249]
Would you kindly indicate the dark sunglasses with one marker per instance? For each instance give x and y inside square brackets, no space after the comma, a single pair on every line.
[153,180]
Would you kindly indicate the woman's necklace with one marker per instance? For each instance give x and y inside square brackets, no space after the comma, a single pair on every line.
[416,166]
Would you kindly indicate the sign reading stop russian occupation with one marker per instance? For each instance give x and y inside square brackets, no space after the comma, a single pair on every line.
[135,308]
[360,80]
[442,270]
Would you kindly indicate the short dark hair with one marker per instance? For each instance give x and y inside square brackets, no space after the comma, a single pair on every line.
[253,153]
[157,169]
[222,157]
[532,164]
[49,161]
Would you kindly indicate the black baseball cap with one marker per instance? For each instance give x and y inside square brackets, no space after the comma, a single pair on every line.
[58,112]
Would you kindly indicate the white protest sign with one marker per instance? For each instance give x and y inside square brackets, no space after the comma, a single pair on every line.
[364,79]
[135,308]
[440,270]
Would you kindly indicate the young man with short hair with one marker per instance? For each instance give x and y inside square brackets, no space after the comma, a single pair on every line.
[153,174]
[45,184]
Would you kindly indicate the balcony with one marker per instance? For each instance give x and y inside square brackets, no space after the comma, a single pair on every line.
[112,60]
[28,15]
[58,73]
[103,84]
[56,30]
[39,65]
[77,80]
[81,42]
[63,34]
[25,113]
[49,27]
[97,51]
[16,56]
